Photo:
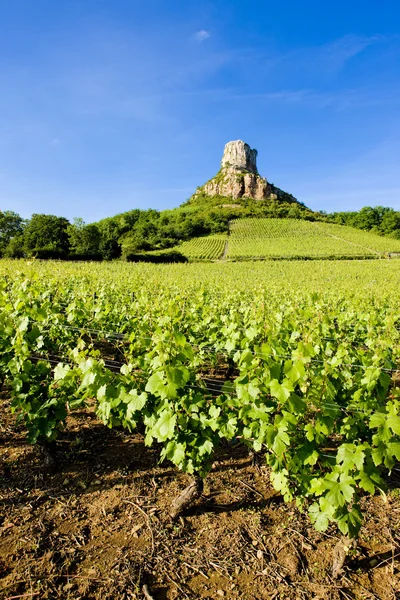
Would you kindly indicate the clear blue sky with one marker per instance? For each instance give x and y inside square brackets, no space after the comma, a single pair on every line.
[109,105]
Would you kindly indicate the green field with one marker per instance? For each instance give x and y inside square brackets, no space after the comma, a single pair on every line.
[262,238]
[206,247]
[289,238]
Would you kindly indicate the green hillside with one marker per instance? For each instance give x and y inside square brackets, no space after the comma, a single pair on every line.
[206,247]
[269,238]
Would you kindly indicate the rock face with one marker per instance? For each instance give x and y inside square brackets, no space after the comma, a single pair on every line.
[239,155]
[239,178]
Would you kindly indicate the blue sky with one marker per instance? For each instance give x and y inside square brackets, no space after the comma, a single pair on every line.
[109,105]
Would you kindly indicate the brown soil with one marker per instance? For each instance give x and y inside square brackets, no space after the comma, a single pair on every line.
[97,527]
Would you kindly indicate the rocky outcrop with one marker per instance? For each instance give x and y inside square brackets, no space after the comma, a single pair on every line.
[239,177]
[239,155]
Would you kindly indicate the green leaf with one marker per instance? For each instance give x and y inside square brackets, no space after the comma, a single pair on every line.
[319,519]
[394,449]
[317,486]
[205,447]
[281,441]
[135,403]
[393,422]
[310,432]
[228,430]
[254,390]
[371,376]
[177,376]
[339,492]
[164,427]
[378,455]
[377,420]
[347,487]
[350,456]
[230,345]
[280,481]
[349,521]
[23,324]
[279,391]
[312,458]
[88,379]
[156,385]
[101,393]
[366,482]
[297,372]
[175,452]
[61,371]
[296,404]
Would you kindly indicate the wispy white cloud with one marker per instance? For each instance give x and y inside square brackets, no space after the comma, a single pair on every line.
[326,59]
[335,55]
[202,35]
[341,100]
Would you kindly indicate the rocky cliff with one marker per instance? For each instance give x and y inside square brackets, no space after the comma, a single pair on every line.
[239,178]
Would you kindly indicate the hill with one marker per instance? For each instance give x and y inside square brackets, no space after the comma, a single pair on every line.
[237,191]
[272,238]
[239,215]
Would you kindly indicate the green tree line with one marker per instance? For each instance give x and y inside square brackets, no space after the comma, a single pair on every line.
[140,231]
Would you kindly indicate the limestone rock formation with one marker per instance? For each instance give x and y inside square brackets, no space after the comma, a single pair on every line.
[239,178]
[239,155]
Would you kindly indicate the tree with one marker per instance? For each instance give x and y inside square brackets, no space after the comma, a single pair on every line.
[15,248]
[84,239]
[390,222]
[46,236]
[109,245]
[11,225]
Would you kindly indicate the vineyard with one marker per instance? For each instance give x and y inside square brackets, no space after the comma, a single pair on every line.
[289,238]
[207,247]
[261,238]
[299,365]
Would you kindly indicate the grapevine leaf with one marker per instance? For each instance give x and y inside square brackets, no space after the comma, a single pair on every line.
[164,427]
[349,521]
[312,458]
[394,449]
[156,385]
[175,452]
[366,482]
[23,324]
[296,404]
[205,447]
[297,371]
[310,432]
[136,403]
[350,456]
[377,420]
[280,481]
[340,492]
[378,455]
[347,487]
[61,371]
[393,421]
[88,379]
[177,376]
[319,519]
[279,391]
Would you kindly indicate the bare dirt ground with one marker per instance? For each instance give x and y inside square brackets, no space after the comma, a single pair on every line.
[97,527]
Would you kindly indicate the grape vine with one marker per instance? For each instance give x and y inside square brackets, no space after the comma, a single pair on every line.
[310,381]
